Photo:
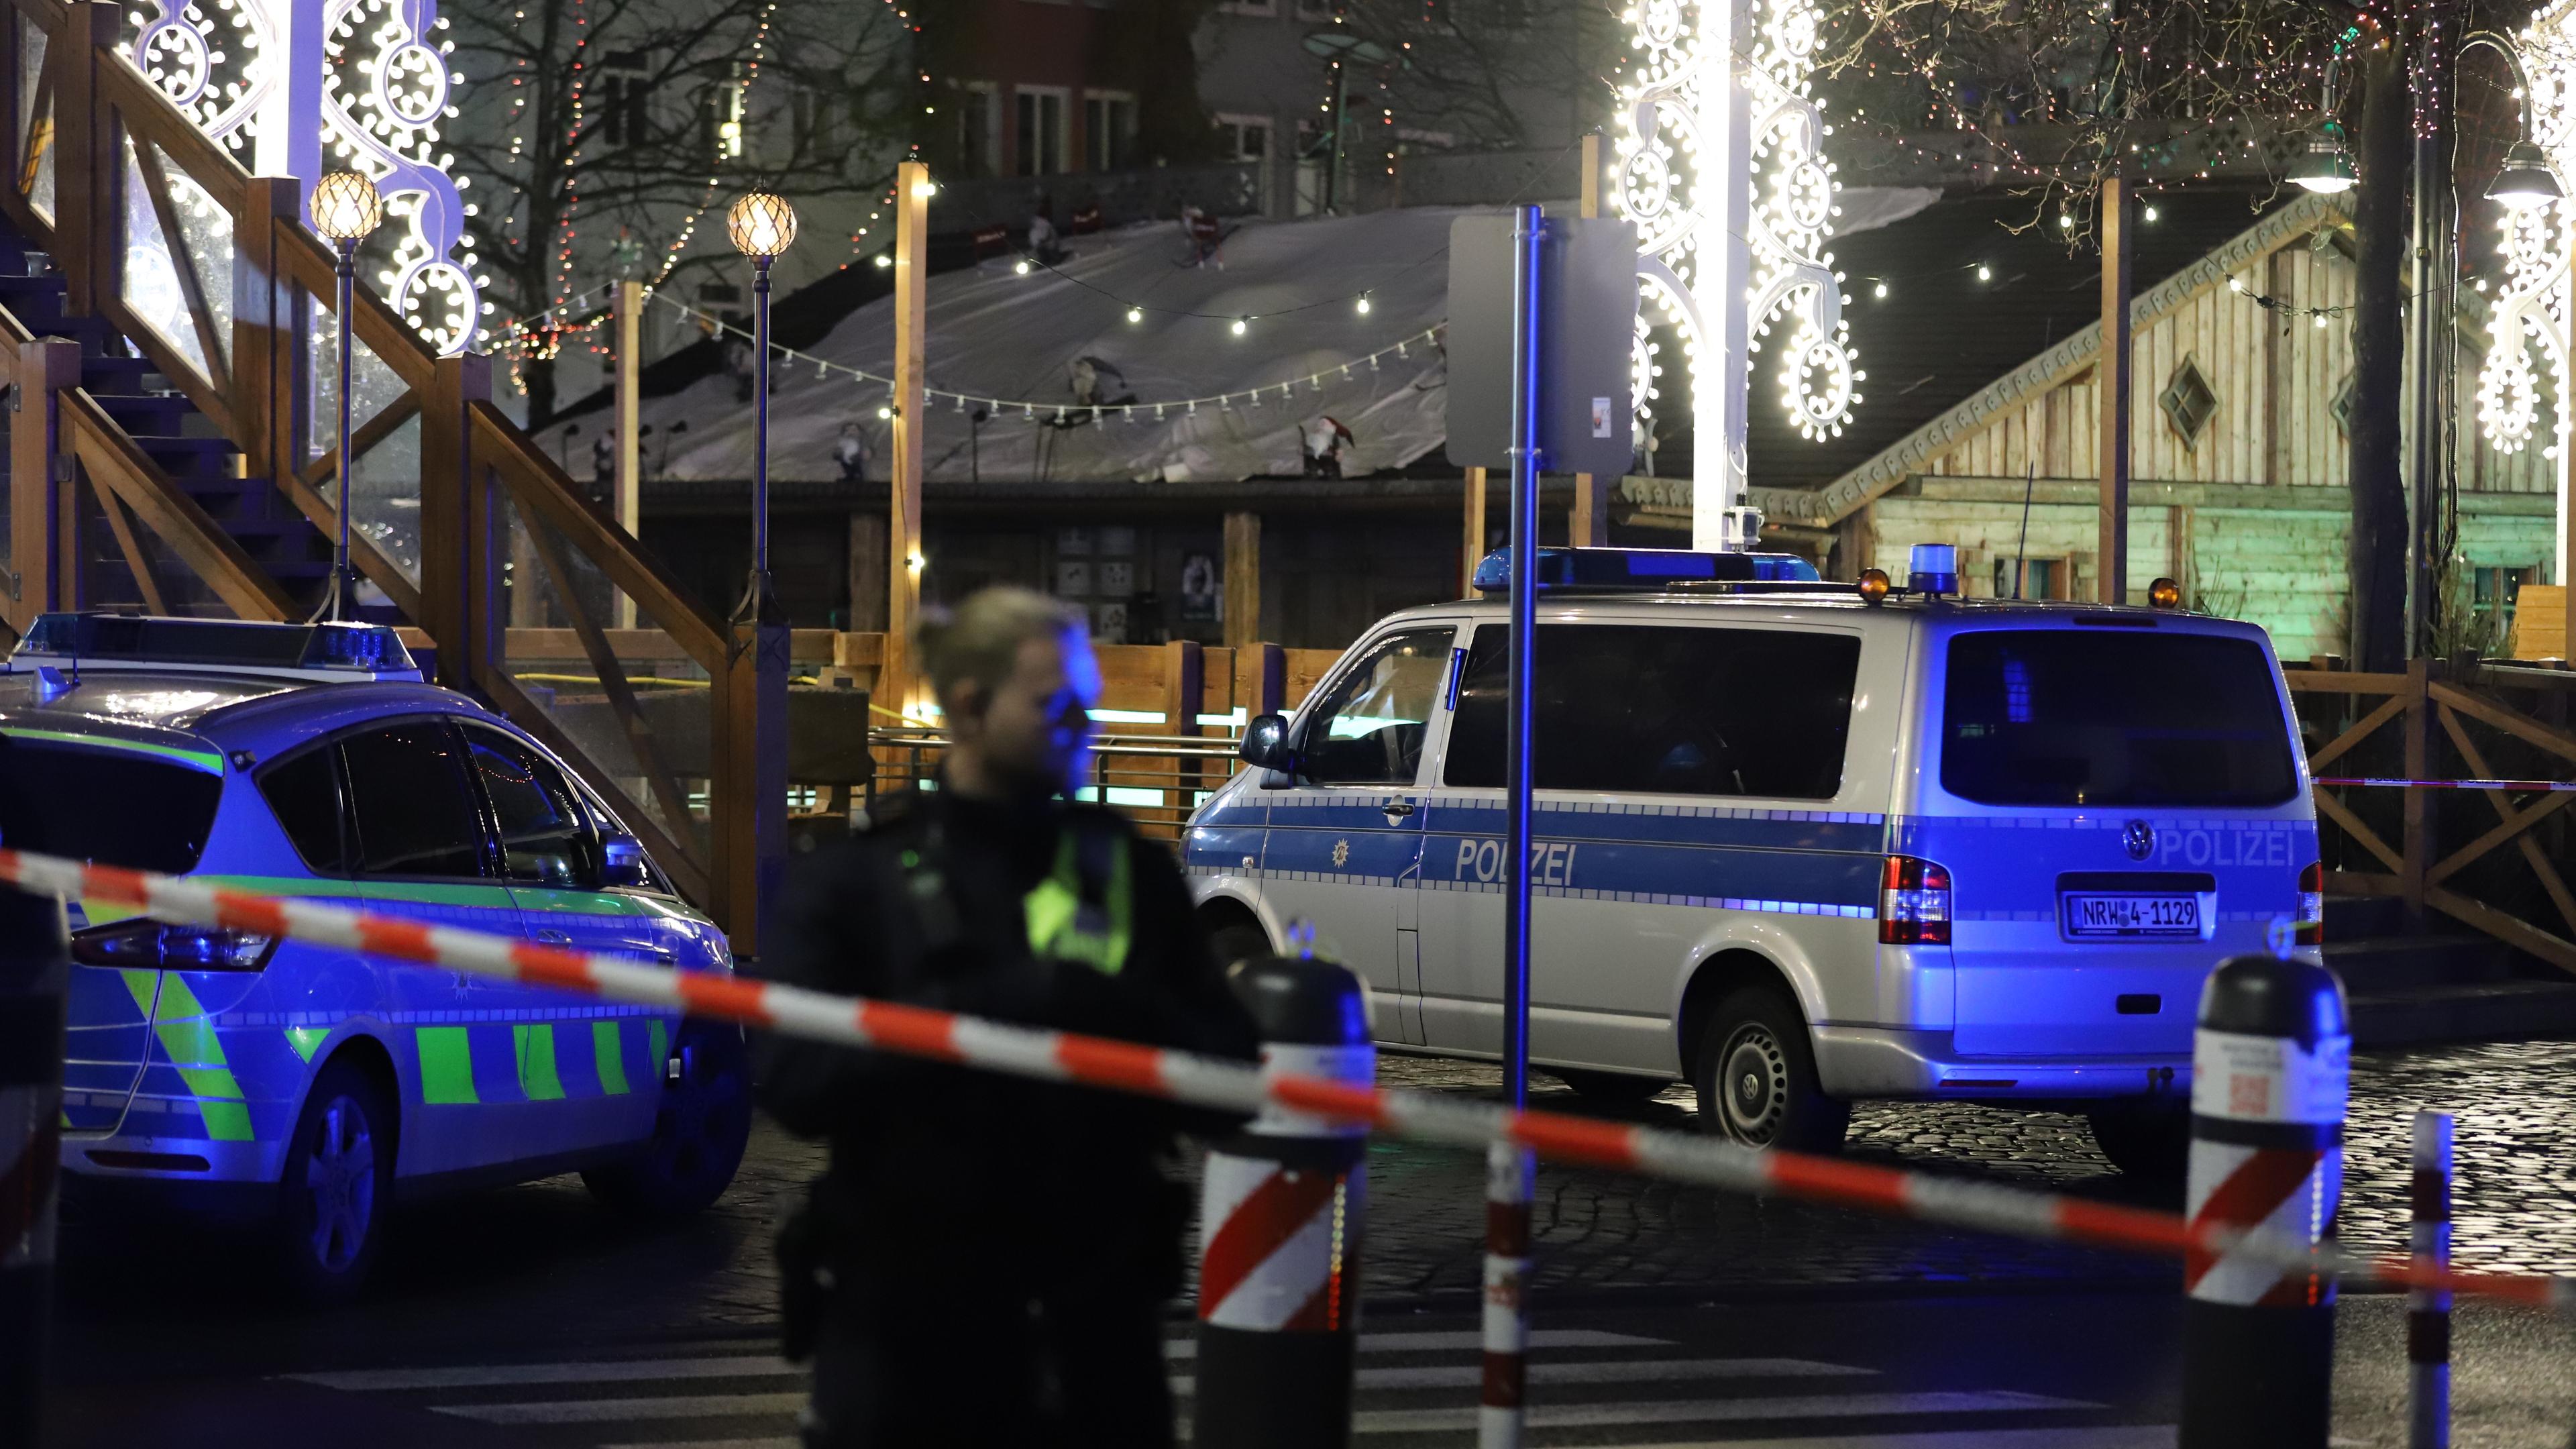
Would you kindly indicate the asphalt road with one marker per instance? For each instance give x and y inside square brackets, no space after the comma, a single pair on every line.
[1863,1331]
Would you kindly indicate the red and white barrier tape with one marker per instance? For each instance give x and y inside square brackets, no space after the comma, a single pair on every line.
[1240,1087]
[2376,782]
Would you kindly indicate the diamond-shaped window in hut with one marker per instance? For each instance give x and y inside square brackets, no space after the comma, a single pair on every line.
[2341,407]
[2189,403]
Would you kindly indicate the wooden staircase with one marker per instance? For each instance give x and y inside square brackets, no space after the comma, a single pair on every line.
[165,453]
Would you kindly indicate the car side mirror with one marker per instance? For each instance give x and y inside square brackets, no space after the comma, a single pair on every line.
[622,862]
[1265,743]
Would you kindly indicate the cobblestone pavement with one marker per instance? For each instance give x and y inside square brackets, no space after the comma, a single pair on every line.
[542,1260]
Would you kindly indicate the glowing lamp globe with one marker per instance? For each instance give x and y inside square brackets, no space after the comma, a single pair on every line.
[762,225]
[2326,166]
[346,207]
[2526,181]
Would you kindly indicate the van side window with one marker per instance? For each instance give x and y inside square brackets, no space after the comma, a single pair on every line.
[1369,730]
[1647,709]
[304,794]
[414,808]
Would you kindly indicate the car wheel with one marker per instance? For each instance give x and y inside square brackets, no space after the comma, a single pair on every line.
[338,1184]
[1239,940]
[1611,1088]
[1756,1075]
[2149,1142]
[698,1134]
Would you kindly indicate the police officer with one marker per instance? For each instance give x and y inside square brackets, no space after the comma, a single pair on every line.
[986,1259]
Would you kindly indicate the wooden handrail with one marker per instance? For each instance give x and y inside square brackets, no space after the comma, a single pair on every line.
[114,460]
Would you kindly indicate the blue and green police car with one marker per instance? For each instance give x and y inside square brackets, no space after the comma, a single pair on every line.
[224,1072]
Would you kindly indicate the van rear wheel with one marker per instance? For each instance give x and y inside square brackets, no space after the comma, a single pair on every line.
[1756,1075]
[337,1185]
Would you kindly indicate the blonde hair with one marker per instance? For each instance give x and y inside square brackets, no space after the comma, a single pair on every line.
[980,639]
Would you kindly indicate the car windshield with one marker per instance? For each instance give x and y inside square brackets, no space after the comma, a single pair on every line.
[108,804]
[2113,717]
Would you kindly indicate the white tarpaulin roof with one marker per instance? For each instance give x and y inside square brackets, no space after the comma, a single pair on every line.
[997,335]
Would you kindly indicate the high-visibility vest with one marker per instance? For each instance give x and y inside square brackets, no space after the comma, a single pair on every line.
[1076,915]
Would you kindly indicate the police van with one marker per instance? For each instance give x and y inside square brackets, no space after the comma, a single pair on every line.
[222,1072]
[1795,843]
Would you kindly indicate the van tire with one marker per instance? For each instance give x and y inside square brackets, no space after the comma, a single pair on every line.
[1611,1088]
[1756,1075]
[2150,1142]
[1238,940]
[337,1189]
[699,1131]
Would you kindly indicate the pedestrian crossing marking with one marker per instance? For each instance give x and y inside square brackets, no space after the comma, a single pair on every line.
[1719,1411]
[716,1366]
[751,1386]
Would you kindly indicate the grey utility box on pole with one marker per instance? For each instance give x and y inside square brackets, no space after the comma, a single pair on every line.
[1586,329]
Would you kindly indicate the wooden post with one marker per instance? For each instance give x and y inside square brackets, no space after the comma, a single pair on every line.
[2417,846]
[630,435]
[867,572]
[41,497]
[89,171]
[1261,679]
[1184,697]
[448,557]
[1475,533]
[268,335]
[1590,525]
[2111,553]
[911,359]
[1242,578]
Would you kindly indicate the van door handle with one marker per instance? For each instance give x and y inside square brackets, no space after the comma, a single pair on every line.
[551,937]
[1397,809]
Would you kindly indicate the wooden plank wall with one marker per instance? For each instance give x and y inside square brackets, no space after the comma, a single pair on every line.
[2275,376]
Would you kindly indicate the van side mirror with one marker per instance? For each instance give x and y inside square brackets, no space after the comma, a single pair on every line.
[1265,743]
[622,862]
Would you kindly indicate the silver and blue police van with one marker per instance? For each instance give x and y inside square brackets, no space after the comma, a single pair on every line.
[1796,843]
[226,1074]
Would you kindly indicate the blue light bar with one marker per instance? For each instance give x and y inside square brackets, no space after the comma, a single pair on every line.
[76,641]
[1643,568]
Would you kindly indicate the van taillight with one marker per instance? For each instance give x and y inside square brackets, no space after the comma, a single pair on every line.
[1913,903]
[2312,904]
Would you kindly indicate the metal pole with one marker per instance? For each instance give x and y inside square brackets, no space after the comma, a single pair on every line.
[32,982]
[1508,1168]
[630,439]
[2428,1312]
[760,424]
[339,597]
[2111,545]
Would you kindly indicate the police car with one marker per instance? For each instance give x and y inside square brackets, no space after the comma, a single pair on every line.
[225,1072]
[1795,843]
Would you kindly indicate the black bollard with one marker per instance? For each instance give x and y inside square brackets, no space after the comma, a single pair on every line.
[1280,1217]
[32,983]
[2270,1069]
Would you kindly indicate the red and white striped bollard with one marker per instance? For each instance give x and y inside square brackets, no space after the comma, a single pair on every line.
[1280,1214]
[1501,1413]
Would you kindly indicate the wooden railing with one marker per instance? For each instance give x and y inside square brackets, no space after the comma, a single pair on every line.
[2493,860]
[483,534]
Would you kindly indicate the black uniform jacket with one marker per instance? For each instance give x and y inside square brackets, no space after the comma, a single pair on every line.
[945,1169]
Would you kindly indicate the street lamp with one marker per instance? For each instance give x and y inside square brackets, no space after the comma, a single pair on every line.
[2526,181]
[762,226]
[345,210]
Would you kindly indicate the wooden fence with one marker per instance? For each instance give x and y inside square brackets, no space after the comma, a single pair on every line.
[2493,860]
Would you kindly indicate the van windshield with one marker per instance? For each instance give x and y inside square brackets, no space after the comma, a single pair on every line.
[122,807]
[2113,717]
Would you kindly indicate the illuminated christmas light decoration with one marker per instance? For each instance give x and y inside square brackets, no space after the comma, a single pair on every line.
[1721,167]
[2532,313]
[365,80]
